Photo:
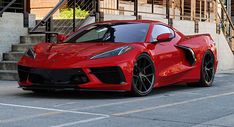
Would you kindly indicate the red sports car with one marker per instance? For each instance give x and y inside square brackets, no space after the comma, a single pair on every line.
[125,55]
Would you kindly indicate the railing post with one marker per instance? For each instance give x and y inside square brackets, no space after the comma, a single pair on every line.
[97,10]
[181,9]
[74,16]
[26,20]
[136,8]
[152,6]
[48,29]
[168,9]
[117,5]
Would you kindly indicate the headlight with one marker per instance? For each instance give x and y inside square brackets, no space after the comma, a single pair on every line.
[115,52]
[30,53]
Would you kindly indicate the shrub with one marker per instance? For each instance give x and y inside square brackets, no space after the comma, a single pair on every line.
[68,13]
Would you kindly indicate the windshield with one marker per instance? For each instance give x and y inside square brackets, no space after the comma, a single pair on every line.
[118,32]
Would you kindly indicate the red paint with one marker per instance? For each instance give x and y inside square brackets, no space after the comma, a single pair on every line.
[170,63]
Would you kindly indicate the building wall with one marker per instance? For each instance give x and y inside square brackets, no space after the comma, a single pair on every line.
[11,28]
[41,7]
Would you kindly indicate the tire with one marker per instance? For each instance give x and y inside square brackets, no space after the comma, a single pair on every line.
[207,71]
[143,76]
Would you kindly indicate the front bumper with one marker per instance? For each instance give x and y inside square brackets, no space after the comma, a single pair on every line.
[95,78]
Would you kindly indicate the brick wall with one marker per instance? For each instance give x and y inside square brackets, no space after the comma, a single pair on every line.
[41,7]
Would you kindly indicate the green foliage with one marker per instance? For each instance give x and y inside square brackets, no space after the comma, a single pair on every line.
[68,13]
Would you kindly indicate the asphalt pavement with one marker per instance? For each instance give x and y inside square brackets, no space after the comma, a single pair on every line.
[172,106]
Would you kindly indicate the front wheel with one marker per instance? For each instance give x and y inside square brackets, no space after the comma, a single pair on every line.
[143,76]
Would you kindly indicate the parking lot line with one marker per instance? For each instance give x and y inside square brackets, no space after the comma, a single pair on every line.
[53,109]
[28,117]
[118,103]
[172,104]
[79,122]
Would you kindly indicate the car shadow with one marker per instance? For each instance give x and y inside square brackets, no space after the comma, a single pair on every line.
[95,95]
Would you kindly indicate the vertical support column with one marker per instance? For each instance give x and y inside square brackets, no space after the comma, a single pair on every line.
[26,13]
[97,10]
[182,9]
[215,10]
[168,9]
[205,9]
[173,7]
[193,9]
[74,16]
[152,6]
[208,10]
[200,9]
[48,29]
[136,8]
[117,4]
[229,11]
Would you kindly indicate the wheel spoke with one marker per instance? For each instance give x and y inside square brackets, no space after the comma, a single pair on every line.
[148,75]
[144,86]
[140,86]
[147,80]
[146,67]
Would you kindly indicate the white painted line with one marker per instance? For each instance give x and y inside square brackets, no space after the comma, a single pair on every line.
[119,103]
[172,104]
[28,117]
[53,109]
[132,101]
[79,122]
[69,103]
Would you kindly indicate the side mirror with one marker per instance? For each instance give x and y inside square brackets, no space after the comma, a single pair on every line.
[164,37]
[61,38]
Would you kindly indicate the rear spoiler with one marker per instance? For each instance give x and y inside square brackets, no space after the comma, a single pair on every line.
[198,35]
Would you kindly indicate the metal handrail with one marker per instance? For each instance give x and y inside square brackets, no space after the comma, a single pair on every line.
[226,13]
[49,15]
[6,7]
[48,23]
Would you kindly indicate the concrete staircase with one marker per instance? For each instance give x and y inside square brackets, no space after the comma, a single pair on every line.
[8,66]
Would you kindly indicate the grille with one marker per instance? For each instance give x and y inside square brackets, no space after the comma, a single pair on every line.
[109,75]
[48,76]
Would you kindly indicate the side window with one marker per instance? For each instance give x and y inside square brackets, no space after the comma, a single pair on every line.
[158,30]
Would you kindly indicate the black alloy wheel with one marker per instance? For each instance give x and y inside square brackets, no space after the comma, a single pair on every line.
[207,71]
[143,76]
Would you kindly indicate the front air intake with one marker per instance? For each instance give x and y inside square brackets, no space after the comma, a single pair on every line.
[109,75]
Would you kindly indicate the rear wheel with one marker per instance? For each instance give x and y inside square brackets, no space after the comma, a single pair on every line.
[207,71]
[143,76]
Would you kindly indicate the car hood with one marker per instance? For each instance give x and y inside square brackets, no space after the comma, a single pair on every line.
[80,51]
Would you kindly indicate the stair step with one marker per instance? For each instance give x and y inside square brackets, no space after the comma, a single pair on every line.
[8,65]
[21,47]
[10,75]
[12,56]
[31,39]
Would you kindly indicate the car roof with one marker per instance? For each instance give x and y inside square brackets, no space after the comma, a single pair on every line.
[130,21]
